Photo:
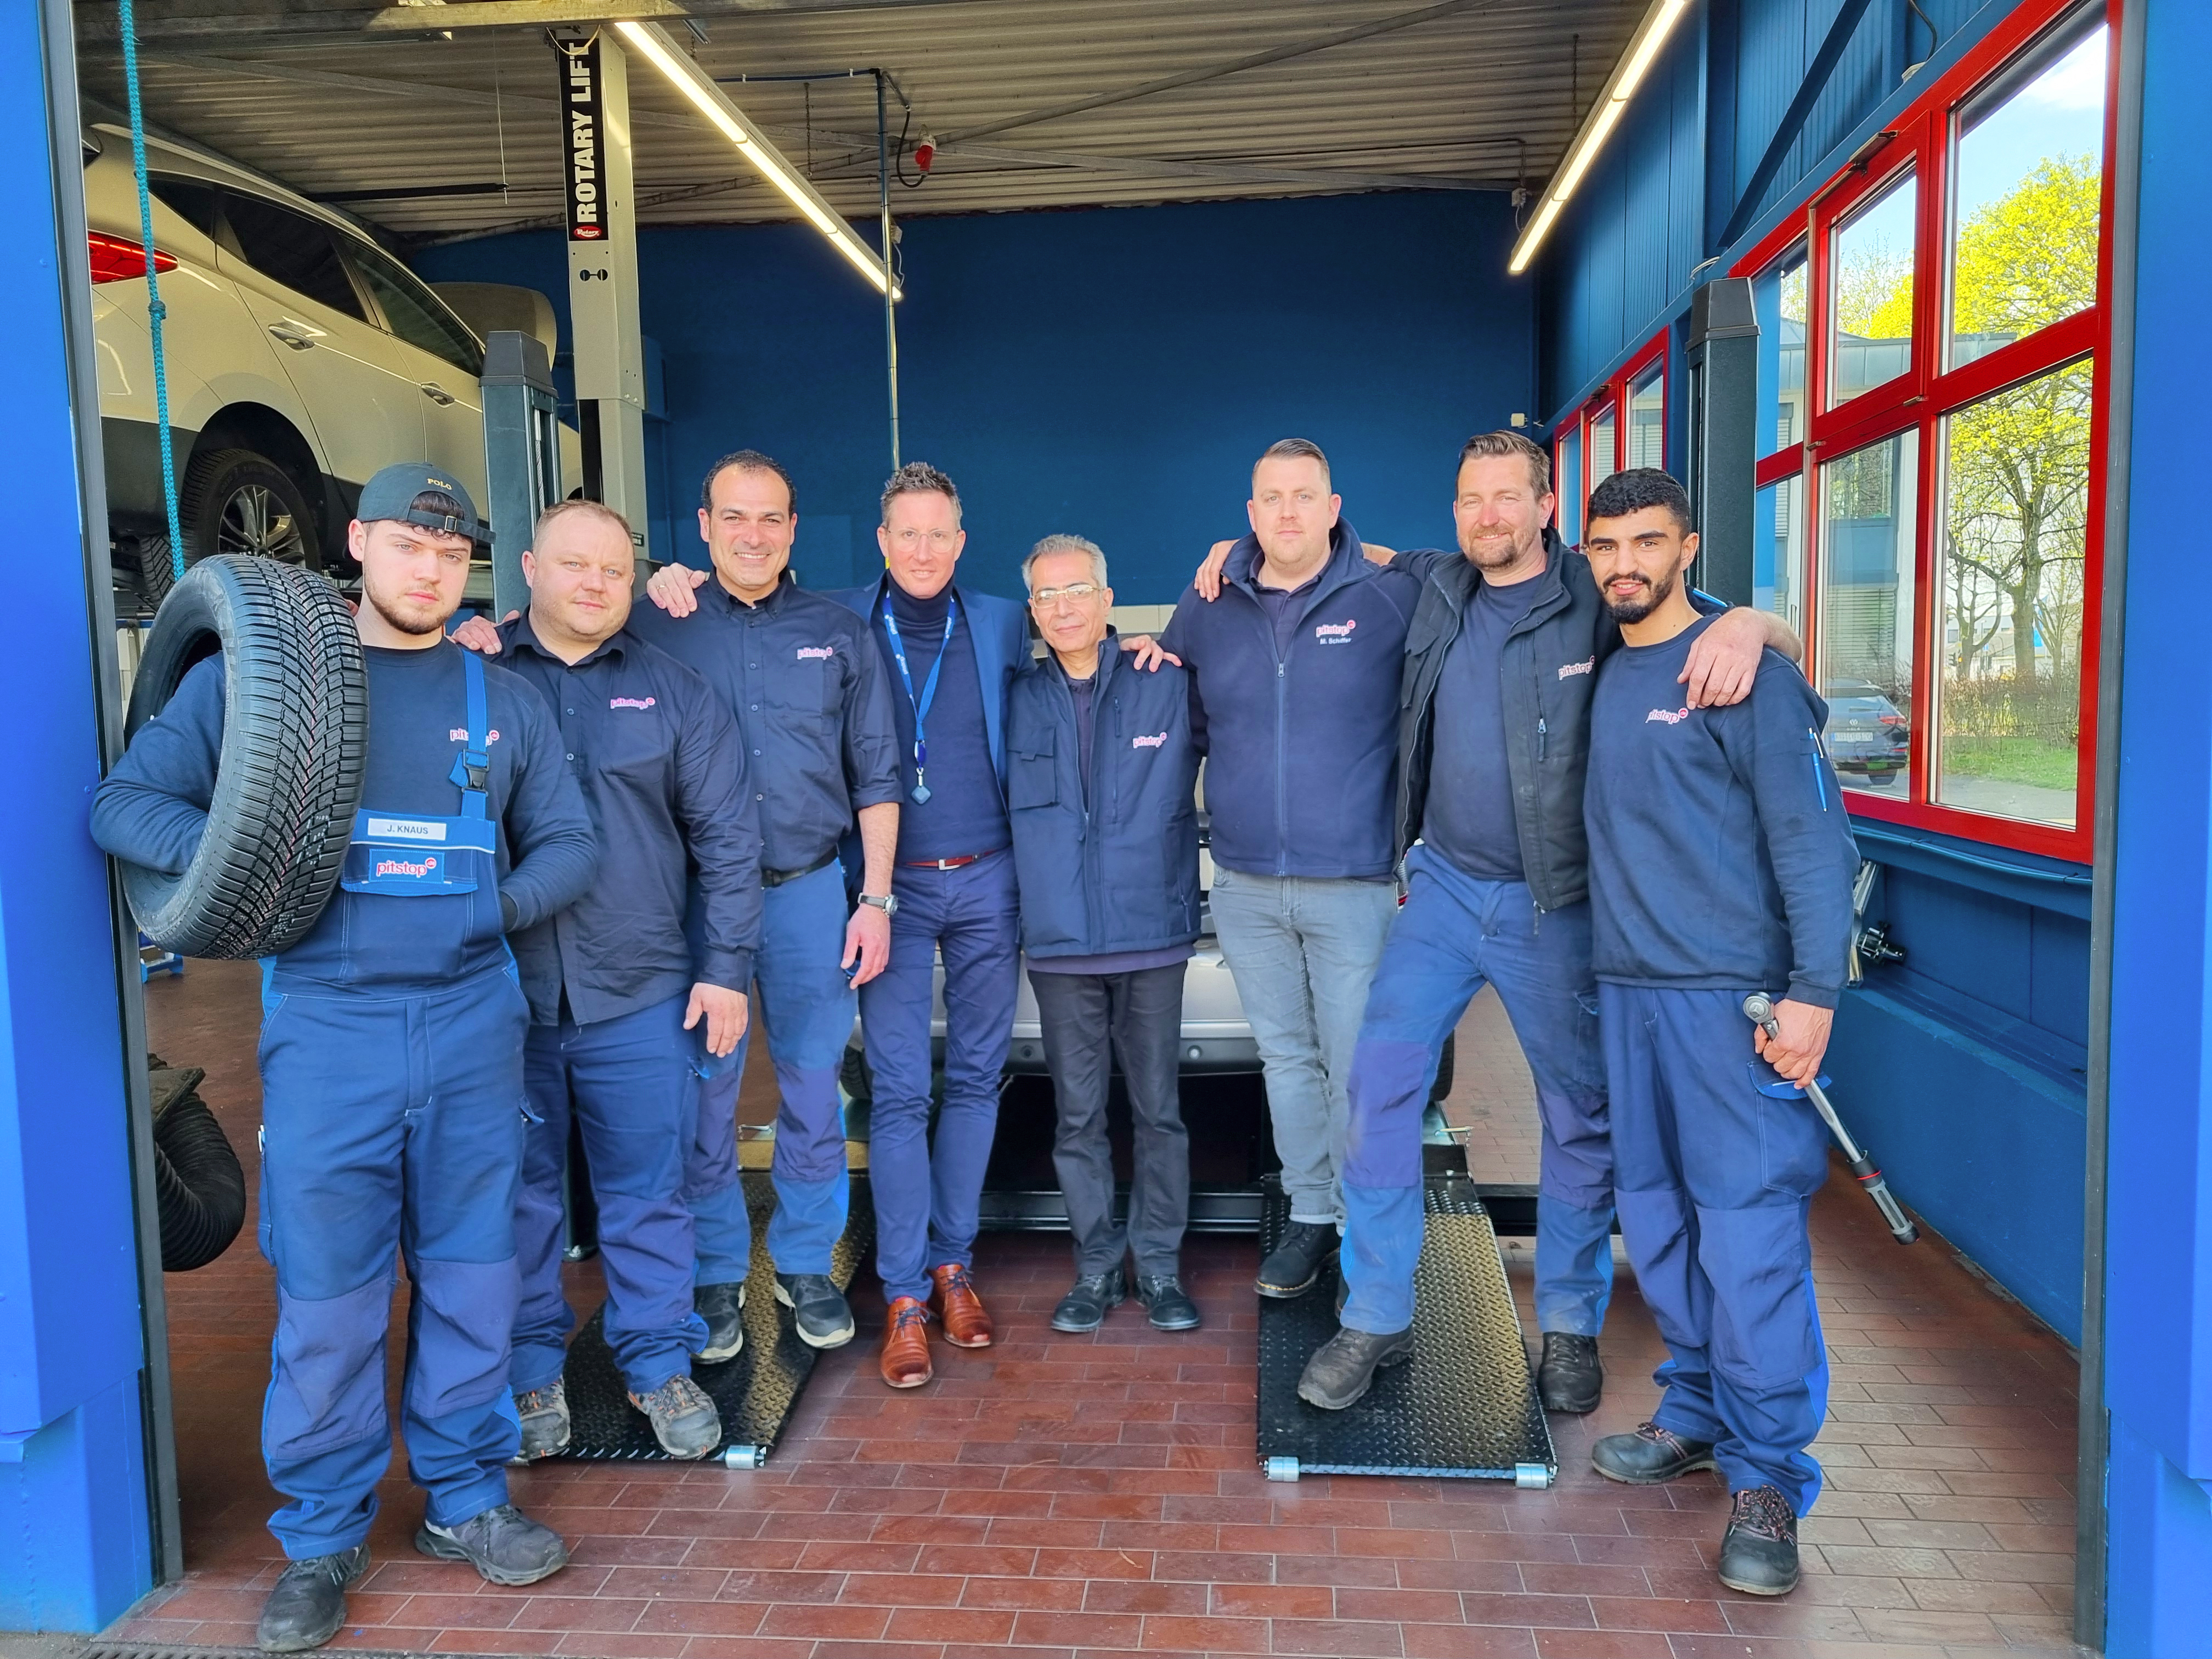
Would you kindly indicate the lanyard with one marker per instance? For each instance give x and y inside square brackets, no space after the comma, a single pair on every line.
[920,791]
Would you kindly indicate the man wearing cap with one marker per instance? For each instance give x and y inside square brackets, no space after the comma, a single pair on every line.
[392,1065]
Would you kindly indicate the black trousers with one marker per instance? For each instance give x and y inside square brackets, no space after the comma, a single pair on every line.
[1088,1020]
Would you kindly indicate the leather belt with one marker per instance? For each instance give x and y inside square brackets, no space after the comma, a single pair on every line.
[777,878]
[945,864]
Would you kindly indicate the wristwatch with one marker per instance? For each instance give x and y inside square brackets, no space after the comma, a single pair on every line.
[886,902]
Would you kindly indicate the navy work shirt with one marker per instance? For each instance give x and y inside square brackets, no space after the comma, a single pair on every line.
[1470,818]
[813,710]
[964,815]
[663,771]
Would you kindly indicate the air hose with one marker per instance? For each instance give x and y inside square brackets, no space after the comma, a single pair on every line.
[155,311]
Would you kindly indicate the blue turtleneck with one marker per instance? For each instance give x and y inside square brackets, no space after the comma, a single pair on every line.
[964,815]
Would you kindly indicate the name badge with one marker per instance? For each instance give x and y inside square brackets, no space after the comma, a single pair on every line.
[406,829]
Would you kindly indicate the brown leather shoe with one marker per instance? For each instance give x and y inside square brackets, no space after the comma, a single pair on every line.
[955,1303]
[906,1344]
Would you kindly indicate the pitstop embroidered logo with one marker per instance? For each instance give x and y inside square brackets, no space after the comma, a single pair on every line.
[1667,716]
[1152,742]
[629,703]
[461,734]
[1568,669]
[406,867]
[1335,633]
[817,652]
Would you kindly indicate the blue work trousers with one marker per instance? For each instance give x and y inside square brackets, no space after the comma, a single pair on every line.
[631,1083]
[1716,1162]
[390,1129]
[1455,935]
[802,995]
[928,1187]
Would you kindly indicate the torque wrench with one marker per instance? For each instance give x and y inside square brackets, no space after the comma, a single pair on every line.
[1760,1009]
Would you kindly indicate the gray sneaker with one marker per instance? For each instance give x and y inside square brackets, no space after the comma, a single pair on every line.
[819,1311]
[684,1419]
[545,1414]
[503,1544]
[308,1605]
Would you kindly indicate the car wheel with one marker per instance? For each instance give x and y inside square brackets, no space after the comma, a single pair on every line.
[234,501]
[1447,1061]
[288,779]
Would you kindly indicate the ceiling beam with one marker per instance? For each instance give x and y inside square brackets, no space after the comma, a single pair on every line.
[266,24]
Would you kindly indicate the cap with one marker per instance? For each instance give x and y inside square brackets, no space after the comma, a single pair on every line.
[391,495]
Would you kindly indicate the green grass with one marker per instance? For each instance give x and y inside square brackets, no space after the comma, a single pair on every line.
[2010,760]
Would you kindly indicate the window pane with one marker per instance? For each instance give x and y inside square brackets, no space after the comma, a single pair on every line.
[1647,418]
[415,314]
[2029,175]
[2013,543]
[1603,446]
[1568,486]
[1865,665]
[188,198]
[293,248]
[1780,295]
[1777,575]
[1870,309]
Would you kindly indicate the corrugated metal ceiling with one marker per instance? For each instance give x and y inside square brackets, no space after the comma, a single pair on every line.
[1481,94]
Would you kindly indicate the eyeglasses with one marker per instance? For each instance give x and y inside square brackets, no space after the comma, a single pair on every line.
[909,539]
[1075,592]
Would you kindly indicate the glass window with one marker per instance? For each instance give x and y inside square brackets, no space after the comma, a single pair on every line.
[413,313]
[1647,418]
[1789,378]
[188,198]
[2014,545]
[1870,298]
[1604,445]
[1568,486]
[2026,194]
[1777,574]
[293,248]
[1867,544]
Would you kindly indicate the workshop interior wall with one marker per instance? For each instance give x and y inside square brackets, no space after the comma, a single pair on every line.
[1112,372]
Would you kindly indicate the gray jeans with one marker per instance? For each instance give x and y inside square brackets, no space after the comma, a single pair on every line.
[1304,948]
[1088,1019]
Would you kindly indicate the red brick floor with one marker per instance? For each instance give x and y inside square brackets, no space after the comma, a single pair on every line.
[1070,1496]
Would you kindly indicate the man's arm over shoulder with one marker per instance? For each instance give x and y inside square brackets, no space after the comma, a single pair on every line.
[720,823]
[152,808]
[1773,742]
[549,830]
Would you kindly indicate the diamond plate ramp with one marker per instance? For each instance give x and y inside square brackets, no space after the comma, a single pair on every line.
[1465,1405]
[754,1392]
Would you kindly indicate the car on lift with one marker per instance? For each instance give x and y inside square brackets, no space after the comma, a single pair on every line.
[1866,733]
[300,356]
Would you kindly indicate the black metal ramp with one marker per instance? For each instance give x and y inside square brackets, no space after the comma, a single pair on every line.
[1464,1406]
[754,1392]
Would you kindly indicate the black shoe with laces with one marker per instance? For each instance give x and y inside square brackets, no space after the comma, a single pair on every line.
[1649,1456]
[1343,1368]
[1089,1300]
[308,1605]
[505,1546]
[818,1309]
[1297,1261]
[1759,1554]
[1570,1378]
[723,1307]
[1167,1302]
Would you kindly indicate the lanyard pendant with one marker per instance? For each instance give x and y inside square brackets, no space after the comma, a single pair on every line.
[920,790]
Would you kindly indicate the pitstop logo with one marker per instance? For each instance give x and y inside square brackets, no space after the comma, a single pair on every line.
[461,734]
[1152,742]
[1335,633]
[405,866]
[816,653]
[1667,716]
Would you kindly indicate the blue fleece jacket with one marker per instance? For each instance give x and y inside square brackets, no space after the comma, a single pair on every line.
[1300,746]
[1720,855]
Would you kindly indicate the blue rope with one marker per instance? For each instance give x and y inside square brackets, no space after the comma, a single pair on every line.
[155,311]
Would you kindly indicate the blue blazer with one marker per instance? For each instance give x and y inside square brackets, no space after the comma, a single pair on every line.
[1000,629]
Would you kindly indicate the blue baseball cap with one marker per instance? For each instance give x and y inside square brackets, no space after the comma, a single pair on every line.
[391,495]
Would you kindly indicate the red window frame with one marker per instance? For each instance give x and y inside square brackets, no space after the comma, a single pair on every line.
[1920,399]
[1613,394]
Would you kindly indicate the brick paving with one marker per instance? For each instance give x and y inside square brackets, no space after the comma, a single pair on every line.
[1091,1496]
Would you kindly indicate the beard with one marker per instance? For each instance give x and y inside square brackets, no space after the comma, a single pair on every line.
[412,620]
[1656,592]
[1497,554]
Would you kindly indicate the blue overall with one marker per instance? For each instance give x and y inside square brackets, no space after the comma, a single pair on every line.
[807,1005]
[1716,1161]
[396,1122]
[1455,935]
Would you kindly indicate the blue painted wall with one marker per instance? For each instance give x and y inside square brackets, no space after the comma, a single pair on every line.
[1112,372]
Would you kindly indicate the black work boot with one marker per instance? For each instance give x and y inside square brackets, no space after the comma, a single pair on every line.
[1167,1302]
[722,1306]
[1089,1300]
[1759,1555]
[308,1605]
[1343,1368]
[1649,1456]
[1570,1379]
[684,1420]
[545,1414]
[1296,1259]
[818,1309]
[503,1544]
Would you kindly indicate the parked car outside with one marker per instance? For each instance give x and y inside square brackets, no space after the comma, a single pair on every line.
[1866,733]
